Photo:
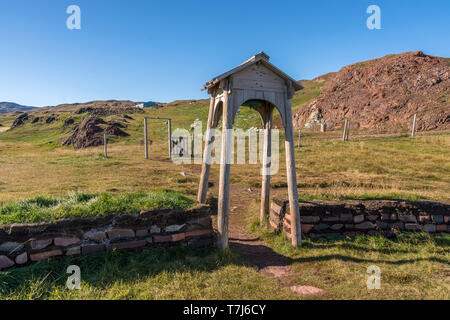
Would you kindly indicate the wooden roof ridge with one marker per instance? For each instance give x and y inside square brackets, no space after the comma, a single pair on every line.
[261,58]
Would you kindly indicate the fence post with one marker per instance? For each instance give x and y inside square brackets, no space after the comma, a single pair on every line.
[105,142]
[170,137]
[146,138]
[414,125]
[299,138]
[345,130]
[348,130]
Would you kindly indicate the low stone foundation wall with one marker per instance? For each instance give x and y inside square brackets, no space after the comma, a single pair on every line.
[21,244]
[385,217]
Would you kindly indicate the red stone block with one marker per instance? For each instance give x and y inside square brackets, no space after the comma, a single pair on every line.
[45,255]
[424,218]
[65,241]
[306,228]
[447,219]
[197,233]
[40,244]
[441,227]
[178,237]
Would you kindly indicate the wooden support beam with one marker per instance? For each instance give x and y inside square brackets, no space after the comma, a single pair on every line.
[225,162]
[105,142]
[206,164]
[169,126]
[266,163]
[413,132]
[146,138]
[292,179]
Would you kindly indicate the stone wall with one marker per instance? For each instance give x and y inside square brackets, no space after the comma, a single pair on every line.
[384,217]
[22,244]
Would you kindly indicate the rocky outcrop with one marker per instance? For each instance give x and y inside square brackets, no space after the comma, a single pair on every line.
[89,133]
[383,95]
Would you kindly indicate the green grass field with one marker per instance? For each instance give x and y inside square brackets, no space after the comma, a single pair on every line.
[40,180]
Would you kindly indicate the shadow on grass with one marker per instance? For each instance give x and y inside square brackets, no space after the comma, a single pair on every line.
[104,269]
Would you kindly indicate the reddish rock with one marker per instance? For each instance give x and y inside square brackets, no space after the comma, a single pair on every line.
[306,290]
[45,255]
[382,94]
[40,244]
[447,219]
[5,262]
[115,234]
[441,228]
[178,237]
[198,233]
[372,217]
[358,218]
[65,242]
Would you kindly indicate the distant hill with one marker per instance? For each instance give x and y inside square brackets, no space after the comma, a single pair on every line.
[6,107]
[383,95]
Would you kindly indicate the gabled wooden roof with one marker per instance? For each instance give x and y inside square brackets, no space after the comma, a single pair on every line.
[260,57]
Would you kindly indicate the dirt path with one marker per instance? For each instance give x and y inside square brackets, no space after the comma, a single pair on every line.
[252,248]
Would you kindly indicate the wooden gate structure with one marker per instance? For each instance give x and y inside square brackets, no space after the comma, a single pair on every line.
[259,82]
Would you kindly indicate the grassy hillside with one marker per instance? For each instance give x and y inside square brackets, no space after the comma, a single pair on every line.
[39,180]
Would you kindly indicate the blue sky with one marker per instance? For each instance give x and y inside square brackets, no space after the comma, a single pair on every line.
[165,50]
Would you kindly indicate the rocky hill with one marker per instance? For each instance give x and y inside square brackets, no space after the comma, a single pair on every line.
[383,95]
[6,107]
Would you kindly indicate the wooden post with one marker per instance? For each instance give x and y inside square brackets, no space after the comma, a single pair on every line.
[296,236]
[206,164]
[169,122]
[299,138]
[348,130]
[224,179]
[345,136]
[146,138]
[414,125]
[267,153]
[105,142]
